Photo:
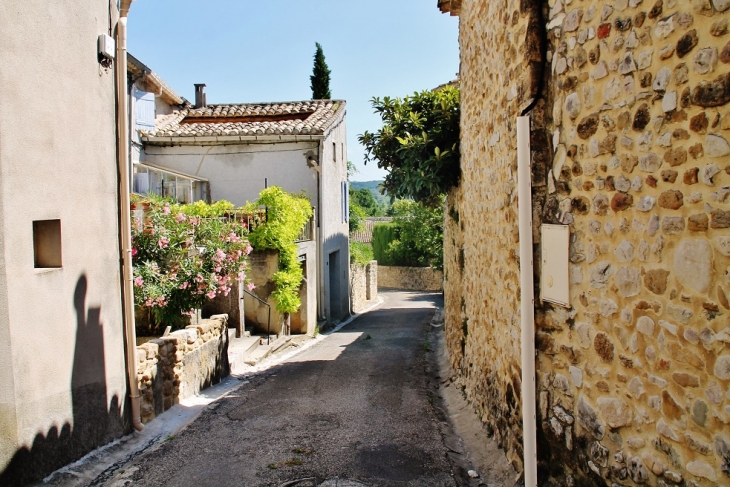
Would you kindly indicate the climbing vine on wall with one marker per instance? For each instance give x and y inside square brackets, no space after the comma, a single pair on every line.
[286,216]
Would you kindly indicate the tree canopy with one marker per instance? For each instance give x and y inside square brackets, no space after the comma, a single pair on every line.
[418,144]
[320,76]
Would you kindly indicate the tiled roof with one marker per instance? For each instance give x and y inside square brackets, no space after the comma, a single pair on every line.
[312,117]
[366,234]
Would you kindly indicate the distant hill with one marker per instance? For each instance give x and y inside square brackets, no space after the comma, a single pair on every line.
[371,186]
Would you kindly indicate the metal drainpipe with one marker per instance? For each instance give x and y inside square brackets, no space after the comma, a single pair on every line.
[124,216]
[320,245]
[527,301]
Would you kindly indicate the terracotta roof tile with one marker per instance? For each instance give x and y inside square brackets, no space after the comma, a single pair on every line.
[246,119]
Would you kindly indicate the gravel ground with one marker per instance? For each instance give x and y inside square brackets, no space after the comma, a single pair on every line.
[357,408]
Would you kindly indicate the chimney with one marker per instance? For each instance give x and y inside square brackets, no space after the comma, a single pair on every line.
[200,95]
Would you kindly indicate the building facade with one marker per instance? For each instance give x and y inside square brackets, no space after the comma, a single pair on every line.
[237,150]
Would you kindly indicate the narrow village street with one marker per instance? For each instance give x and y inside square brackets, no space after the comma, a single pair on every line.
[356,406]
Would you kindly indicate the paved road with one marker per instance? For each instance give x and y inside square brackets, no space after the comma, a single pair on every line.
[354,407]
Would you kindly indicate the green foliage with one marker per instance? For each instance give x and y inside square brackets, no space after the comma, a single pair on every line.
[365,200]
[320,78]
[203,209]
[360,253]
[419,238]
[287,214]
[418,144]
[383,234]
[357,217]
[181,259]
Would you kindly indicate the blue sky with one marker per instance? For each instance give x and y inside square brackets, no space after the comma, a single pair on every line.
[246,51]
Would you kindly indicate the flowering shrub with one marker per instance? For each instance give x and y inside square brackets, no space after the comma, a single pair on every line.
[181,259]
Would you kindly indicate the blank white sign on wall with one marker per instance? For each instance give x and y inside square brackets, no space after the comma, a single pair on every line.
[554,252]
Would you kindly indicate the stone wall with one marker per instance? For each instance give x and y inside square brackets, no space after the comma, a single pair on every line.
[632,101]
[363,285]
[412,278]
[182,364]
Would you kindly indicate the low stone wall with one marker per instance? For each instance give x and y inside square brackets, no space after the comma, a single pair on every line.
[363,285]
[181,364]
[412,278]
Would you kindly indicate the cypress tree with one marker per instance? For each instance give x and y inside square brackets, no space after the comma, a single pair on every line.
[320,76]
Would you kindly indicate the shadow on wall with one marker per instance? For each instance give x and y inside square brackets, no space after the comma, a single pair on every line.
[94,422]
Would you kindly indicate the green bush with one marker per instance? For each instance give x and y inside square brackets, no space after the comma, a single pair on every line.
[360,253]
[383,235]
[286,216]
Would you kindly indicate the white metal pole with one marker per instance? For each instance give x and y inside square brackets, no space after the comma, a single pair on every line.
[527,300]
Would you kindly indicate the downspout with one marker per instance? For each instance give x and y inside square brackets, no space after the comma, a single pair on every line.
[321,309]
[124,215]
[527,301]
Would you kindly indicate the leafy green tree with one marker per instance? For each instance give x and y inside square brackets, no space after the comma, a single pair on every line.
[320,76]
[365,200]
[419,238]
[418,144]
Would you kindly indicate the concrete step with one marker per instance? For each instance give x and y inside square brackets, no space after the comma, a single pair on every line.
[263,351]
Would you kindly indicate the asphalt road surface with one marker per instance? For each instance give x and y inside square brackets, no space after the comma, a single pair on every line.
[354,409]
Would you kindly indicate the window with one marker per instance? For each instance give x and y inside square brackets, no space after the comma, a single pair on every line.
[345,202]
[334,151]
[163,183]
[47,244]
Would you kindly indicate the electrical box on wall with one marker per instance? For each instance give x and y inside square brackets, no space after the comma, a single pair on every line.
[106,47]
[554,254]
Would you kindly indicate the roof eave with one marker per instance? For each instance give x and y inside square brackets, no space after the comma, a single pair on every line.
[228,139]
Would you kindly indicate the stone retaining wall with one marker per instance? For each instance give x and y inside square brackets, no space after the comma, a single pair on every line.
[181,364]
[411,278]
[363,285]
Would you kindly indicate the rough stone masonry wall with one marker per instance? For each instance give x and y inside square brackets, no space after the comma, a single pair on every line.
[363,285]
[181,364]
[412,278]
[634,379]
[500,75]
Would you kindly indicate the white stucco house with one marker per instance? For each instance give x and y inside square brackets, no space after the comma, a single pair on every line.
[233,151]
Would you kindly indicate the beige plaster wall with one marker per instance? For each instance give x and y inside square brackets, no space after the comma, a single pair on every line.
[57,153]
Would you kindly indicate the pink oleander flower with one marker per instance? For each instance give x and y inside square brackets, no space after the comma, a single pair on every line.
[138,281]
[210,294]
[184,285]
[199,278]
[219,255]
[180,217]
[249,249]
[250,286]
[194,221]
[149,303]
[218,268]
[166,209]
[134,251]
[241,276]
[163,242]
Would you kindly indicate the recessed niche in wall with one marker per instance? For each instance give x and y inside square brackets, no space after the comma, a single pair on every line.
[47,243]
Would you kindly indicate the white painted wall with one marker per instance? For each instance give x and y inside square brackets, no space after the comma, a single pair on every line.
[237,172]
[334,228]
[57,160]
